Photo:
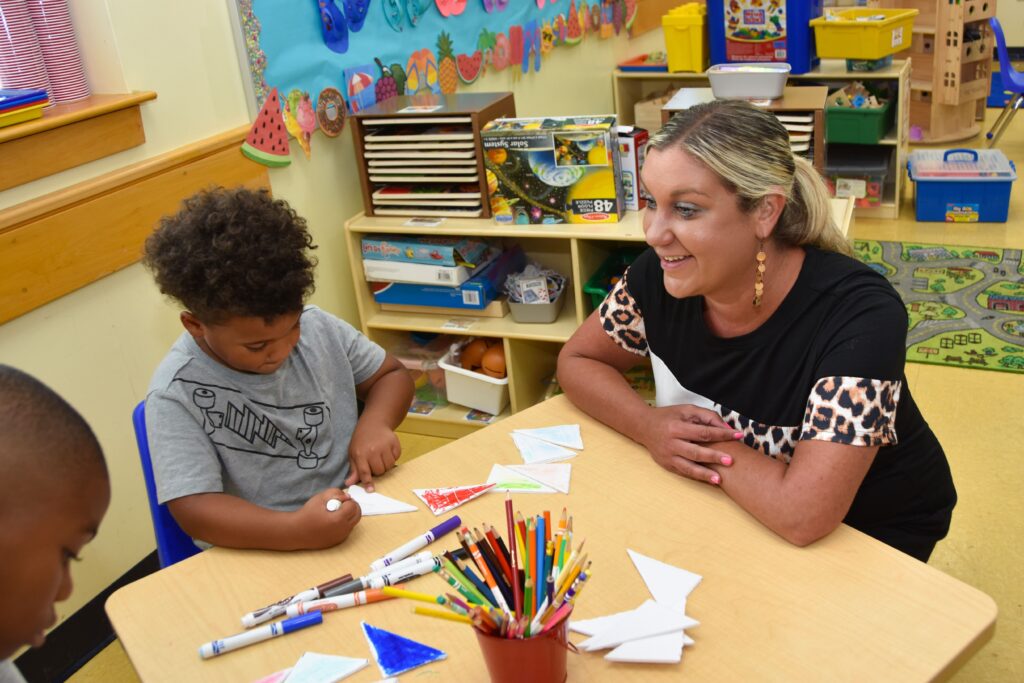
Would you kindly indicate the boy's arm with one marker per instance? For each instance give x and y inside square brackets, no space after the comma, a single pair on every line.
[374,447]
[232,522]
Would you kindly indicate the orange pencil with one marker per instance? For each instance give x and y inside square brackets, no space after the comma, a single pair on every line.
[547,527]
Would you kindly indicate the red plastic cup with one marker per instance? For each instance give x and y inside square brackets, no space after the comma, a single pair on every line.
[541,659]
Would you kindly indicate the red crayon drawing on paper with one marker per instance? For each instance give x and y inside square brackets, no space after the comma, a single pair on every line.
[441,500]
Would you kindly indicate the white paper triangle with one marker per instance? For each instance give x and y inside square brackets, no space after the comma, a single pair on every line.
[650,619]
[663,649]
[589,627]
[314,667]
[536,450]
[505,479]
[562,435]
[377,503]
[555,475]
[669,585]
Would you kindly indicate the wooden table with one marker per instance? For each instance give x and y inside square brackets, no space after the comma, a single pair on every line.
[846,608]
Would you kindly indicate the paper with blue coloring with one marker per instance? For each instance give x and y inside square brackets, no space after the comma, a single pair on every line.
[314,667]
[396,654]
[567,436]
[377,503]
[537,451]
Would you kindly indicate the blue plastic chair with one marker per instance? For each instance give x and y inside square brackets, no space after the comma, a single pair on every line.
[1013,81]
[172,544]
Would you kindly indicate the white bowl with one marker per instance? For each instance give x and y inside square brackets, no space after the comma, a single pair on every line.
[749,80]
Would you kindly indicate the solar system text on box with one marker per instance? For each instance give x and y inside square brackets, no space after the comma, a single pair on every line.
[553,170]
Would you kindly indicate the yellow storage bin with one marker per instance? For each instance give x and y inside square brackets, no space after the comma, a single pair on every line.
[685,39]
[863,33]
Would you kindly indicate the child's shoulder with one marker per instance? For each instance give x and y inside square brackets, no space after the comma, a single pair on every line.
[182,354]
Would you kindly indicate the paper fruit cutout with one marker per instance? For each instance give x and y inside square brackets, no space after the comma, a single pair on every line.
[573,29]
[386,87]
[268,139]
[450,8]
[442,500]
[631,10]
[333,26]
[396,654]
[447,73]
[469,66]
[502,55]
[330,112]
[299,118]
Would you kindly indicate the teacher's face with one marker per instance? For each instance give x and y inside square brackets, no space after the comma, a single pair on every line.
[706,244]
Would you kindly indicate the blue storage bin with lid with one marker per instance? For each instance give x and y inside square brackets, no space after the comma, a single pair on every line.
[764,31]
[961,185]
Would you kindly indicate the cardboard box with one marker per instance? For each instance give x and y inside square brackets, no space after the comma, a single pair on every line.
[421,273]
[474,294]
[553,170]
[433,251]
[632,144]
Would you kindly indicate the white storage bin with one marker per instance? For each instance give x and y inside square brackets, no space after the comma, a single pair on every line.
[748,81]
[474,389]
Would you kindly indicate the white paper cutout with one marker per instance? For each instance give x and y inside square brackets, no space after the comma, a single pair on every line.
[536,451]
[663,649]
[563,435]
[314,667]
[441,500]
[377,503]
[506,479]
[650,619]
[554,475]
[668,585]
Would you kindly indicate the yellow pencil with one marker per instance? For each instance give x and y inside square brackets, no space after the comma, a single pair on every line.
[441,614]
[411,595]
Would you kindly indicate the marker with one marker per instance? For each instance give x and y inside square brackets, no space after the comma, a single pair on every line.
[333,505]
[279,608]
[415,544]
[389,578]
[336,603]
[256,635]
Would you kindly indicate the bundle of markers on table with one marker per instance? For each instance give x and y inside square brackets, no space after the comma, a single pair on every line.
[520,593]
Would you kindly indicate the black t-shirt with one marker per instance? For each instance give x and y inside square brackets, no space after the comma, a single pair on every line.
[827,365]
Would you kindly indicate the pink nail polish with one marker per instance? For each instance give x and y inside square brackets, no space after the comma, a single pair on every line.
[716,479]
[738,435]
[726,460]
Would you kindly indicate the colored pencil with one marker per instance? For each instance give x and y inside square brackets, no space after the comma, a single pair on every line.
[441,614]
[485,570]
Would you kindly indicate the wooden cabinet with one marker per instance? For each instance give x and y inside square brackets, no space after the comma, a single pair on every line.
[531,350]
[631,87]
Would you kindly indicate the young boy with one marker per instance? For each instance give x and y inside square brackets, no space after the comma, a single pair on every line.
[252,415]
[54,492]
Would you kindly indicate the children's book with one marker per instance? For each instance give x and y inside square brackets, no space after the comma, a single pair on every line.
[426,202]
[453,212]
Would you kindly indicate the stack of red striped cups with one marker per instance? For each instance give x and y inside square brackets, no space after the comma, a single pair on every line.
[56,36]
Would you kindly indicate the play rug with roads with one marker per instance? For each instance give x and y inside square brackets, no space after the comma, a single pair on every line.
[966,304]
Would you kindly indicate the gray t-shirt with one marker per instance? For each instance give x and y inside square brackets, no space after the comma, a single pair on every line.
[274,440]
[9,673]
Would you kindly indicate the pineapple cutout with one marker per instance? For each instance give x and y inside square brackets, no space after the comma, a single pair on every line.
[448,77]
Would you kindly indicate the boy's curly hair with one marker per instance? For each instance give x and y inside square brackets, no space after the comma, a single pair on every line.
[236,252]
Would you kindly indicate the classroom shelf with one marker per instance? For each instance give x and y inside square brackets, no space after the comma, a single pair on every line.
[448,422]
[69,135]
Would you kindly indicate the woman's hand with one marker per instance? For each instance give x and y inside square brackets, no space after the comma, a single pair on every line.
[674,435]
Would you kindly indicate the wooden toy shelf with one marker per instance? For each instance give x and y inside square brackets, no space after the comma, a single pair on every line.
[531,350]
[630,87]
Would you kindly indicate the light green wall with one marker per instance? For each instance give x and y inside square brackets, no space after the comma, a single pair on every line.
[99,345]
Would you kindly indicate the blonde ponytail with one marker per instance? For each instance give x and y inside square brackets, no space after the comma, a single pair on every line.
[807,218]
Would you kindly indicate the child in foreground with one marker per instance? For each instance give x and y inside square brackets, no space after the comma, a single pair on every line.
[54,491]
[252,416]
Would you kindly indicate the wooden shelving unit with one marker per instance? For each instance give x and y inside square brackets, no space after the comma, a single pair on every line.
[951,65]
[630,87]
[69,135]
[531,350]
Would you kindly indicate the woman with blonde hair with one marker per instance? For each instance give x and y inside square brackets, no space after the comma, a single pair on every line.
[778,359]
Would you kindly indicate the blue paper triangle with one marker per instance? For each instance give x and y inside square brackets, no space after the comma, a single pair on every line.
[395,654]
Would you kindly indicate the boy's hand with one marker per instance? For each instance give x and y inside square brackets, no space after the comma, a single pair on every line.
[373,450]
[320,528]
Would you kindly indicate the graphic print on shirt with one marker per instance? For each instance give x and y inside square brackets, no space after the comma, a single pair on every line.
[236,423]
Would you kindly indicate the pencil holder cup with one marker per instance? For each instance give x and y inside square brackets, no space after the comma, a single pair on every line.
[541,659]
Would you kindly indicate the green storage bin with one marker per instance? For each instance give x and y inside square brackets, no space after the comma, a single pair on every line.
[600,283]
[858,126]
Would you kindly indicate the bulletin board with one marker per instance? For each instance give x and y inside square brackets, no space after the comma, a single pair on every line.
[365,51]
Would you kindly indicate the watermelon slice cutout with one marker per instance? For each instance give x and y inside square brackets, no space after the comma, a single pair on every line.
[267,143]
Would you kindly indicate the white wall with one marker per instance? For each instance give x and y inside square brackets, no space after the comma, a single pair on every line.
[98,346]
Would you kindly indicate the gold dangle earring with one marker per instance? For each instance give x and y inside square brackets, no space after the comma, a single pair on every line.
[759,275]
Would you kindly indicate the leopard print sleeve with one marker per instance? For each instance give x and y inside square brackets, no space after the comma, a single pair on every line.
[622,320]
[852,410]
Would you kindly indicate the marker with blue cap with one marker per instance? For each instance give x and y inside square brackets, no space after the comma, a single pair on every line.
[257,635]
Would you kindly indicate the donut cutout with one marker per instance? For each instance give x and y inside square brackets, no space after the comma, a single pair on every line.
[330,112]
